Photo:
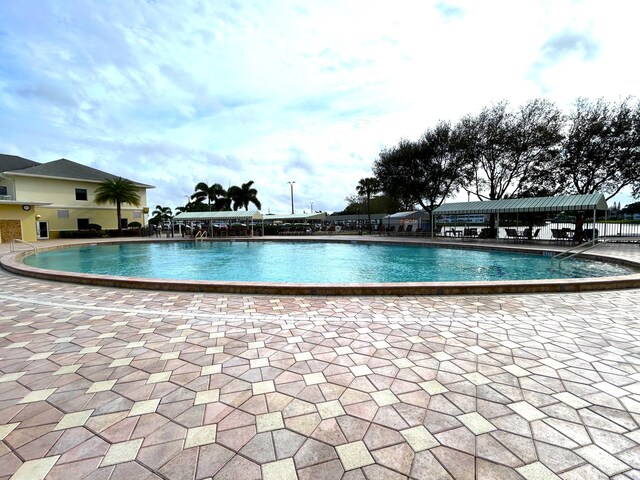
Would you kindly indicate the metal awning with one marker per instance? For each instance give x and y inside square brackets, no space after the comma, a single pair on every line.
[213,216]
[595,201]
[410,214]
[295,217]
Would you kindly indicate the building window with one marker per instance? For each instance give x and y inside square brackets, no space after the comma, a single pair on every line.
[137,214]
[83,224]
[63,213]
[81,194]
[3,190]
[124,223]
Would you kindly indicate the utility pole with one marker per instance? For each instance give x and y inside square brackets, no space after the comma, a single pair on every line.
[291,183]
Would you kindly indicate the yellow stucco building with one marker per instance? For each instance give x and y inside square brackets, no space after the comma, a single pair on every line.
[40,200]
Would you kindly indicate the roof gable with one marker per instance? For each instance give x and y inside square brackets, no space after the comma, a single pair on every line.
[13,162]
[64,168]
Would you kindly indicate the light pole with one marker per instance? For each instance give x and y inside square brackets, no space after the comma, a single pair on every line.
[291,183]
[311,204]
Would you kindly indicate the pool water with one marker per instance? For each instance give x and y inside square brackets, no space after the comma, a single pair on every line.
[311,262]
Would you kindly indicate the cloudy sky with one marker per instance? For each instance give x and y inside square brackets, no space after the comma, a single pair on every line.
[175,93]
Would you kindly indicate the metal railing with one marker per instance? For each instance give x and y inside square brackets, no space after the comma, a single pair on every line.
[588,246]
[201,235]
[14,243]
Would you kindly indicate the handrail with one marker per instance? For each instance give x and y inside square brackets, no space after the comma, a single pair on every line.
[594,245]
[201,235]
[12,245]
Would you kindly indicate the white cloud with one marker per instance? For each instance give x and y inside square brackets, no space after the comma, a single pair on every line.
[228,92]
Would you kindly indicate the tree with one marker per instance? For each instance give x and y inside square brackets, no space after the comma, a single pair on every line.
[367,187]
[601,150]
[631,208]
[161,214]
[379,204]
[244,195]
[510,151]
[208,192]
[116,191]
[395,168]
[424,172]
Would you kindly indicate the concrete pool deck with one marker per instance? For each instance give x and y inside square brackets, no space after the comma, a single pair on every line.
[109,383]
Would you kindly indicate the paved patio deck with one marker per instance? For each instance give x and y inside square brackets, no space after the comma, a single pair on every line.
[104,383]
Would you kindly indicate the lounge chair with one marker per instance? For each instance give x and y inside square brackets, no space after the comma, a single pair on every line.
[512,234]
[470,232]
[408,230]
[560,235]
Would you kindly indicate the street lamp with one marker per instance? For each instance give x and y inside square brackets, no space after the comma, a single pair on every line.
[359,232]
[291,183]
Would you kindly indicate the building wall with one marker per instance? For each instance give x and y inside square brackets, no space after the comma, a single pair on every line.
[16,223]
[65,210]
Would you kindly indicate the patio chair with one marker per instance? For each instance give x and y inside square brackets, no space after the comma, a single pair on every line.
[408,230]
[470,232]
[512,234]
[559,235]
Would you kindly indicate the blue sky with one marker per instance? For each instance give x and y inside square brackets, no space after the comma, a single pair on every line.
[175,93]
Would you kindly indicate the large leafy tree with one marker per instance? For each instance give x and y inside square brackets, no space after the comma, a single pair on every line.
[602,148]
[510,151]
[210,193]
[244,195]
[116,191]
[366,188]
[425,172]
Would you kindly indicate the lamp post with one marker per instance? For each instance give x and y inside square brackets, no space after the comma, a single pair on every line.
[291,183]
[359,231]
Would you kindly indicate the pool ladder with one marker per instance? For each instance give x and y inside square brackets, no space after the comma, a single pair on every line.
[201,235]
[574,250]
[13,246]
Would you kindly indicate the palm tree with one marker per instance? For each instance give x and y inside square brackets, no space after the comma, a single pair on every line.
[208,192]
[244,195]
[117,190]
[367,187]
[162,214]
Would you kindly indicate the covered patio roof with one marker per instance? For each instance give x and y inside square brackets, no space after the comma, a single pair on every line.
[235,215]
[295,217]
[595,201]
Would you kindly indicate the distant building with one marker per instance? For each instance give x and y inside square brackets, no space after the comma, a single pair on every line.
[39,200]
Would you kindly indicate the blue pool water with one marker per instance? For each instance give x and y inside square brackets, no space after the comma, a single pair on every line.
[308,262]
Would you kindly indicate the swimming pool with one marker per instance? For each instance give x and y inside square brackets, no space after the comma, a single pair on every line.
[313,263]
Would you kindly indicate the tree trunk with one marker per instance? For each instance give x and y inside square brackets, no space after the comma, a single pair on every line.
[119,215]
[369,212]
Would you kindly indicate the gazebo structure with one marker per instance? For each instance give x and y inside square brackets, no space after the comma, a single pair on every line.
[561,203]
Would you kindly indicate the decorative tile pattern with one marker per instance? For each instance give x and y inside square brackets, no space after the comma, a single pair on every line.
[35,469]
[113,383]
[476,423]
[354,455]
[121,452]
[198,436]
[72,420]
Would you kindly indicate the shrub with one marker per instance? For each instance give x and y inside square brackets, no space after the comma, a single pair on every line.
[135,225]
[95,226]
